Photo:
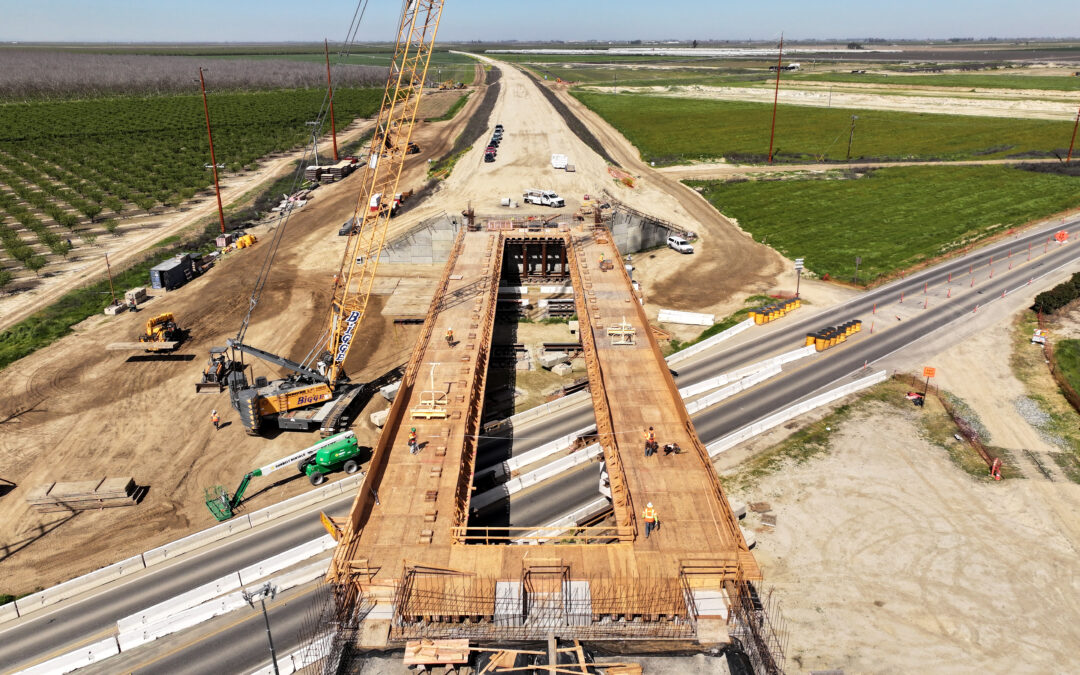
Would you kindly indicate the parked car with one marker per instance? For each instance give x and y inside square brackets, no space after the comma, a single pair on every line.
[680,245]
[489,156]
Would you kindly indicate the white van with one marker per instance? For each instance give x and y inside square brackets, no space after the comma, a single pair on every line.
[543,197]
[680,245]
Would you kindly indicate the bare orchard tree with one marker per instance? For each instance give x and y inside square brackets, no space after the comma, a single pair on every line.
[39,73]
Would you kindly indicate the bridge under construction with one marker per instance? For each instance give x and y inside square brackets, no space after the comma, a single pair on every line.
[409,565]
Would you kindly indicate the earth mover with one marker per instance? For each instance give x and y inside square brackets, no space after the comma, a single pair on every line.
[340,452]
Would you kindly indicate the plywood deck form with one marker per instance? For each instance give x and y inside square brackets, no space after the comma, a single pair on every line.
[416,526]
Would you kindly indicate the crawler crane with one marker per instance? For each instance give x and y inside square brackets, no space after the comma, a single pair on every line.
[320,378]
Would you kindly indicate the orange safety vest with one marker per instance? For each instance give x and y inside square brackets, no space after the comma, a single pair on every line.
[412,436]
[214,418]
[650,436]
[649,515]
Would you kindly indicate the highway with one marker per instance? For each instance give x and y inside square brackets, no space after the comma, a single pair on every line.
[72,623]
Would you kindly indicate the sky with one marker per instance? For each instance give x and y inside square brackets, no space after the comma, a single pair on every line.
[493,20]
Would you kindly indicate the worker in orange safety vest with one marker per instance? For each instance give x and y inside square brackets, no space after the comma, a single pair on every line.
[649,516]
[450,337]
[650,442]
[215,419]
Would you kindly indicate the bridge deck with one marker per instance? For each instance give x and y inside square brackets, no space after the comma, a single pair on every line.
[412,509]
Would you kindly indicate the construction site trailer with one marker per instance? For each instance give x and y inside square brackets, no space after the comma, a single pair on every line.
[171,274]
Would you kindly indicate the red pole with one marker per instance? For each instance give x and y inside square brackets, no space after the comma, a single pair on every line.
[213,159]
[330,92]
[776,96]
[1073,141]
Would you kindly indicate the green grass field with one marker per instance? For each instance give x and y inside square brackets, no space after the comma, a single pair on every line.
[677,131]
[1067,355]
[893,218]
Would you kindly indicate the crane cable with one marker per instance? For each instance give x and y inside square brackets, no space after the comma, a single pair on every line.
[283,217]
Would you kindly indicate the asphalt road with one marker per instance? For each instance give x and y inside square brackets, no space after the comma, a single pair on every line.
[52,632]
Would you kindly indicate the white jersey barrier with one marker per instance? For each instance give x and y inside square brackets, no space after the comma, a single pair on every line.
[687,318]
[776,419]
[543,410]
[720,380]
[301,658]
[97,578]
[535,455]
[709,342]
[515,485]
[80,658]
[742,384]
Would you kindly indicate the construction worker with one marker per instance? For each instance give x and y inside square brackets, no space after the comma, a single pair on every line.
[414,447]
[449,337]
[215,419]
[671,449]
[649,516]
[650,442]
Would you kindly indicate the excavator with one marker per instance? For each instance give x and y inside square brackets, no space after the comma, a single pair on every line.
[320,378]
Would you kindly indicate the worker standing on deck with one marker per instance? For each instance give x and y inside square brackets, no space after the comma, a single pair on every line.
[649,516]
[215,419]
[650,442]
[414,447]
[449,337]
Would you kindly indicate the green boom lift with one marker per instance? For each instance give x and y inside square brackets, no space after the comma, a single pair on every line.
[337,452]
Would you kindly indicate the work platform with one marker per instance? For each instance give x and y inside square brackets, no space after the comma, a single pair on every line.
[407,557]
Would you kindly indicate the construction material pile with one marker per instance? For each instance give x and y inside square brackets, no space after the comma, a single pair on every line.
[102,493]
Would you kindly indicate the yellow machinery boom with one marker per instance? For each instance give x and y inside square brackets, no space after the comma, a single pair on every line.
[393,132]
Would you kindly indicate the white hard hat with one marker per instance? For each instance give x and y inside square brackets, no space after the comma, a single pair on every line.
[649,505]
[213,412]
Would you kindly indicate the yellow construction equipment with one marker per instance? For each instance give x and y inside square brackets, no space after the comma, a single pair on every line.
[161,335]
[321,377]
[245,241]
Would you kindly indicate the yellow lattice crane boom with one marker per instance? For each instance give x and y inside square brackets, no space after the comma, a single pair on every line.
[393,131]
[324,383]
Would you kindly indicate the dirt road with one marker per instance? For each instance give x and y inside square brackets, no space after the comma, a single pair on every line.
[721,171]
[944,105]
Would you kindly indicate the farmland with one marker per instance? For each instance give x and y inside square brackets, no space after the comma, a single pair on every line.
[964,80]
[66,165]
[676,131]
[893,218]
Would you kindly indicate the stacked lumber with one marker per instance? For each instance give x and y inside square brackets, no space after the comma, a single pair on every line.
[81,495]
[313,173]
[436,652]
[338,171]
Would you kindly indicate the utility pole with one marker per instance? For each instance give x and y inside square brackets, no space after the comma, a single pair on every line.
[330,93]
[1073,141]
[314,139]
[109,268]
[858,259]
[776,96]
[260,593]
[851,136]
[616,75]
[213,159]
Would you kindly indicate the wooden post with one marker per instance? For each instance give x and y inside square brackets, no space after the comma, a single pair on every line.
[213,159]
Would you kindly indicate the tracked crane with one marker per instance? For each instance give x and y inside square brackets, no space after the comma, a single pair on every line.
[321,378]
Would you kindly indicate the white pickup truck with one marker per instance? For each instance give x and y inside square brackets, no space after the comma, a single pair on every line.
[543,197]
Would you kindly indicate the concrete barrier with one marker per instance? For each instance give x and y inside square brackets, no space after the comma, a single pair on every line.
[286,559]
[343,486]
[68,589]
[562,290]
[740,385]
[687,318]
[181,620]
[8,612]
[776,419]
[79,658]
[196,596]
[693,350]
[301,658]
[720,380]
[590,510]
[191,542]
[535,455]
[542,410]
[301,576]
[515,485]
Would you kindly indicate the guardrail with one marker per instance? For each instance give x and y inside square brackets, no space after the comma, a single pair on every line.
[97,578]
[776,419]
[732,389]
[81,657]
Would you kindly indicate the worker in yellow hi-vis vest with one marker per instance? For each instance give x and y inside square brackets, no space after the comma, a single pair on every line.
[649,516]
